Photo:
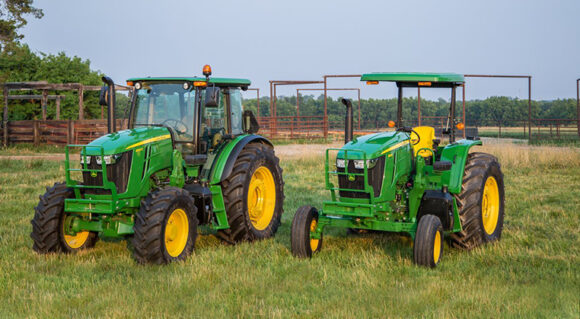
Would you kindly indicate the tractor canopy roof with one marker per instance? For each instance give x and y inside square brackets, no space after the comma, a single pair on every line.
[443,79]
[217,81]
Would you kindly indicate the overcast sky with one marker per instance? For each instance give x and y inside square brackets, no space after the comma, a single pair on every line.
[302,40]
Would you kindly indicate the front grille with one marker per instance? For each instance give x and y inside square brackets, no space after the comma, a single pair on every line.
[375,180]
[118,173]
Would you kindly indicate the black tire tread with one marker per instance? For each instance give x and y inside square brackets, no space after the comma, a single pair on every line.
[468,201]
[300,232]
[146,243]
[233,186]
[424,240]
[46,223]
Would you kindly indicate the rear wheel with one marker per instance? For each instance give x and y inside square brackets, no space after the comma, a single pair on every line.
[253,195]
[305,221]
[480,203]
[165,227]
[50,222]
[428,244]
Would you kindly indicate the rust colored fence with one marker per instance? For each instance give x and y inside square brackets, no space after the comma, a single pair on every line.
[292,126]
[56,132]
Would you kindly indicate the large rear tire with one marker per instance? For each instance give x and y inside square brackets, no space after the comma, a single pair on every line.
[165,227]
[48,224]
[480,203]
[253,195]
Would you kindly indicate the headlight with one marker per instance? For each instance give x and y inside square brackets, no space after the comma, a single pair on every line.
[340,163]
[83,159]
[359,164]
[109,159]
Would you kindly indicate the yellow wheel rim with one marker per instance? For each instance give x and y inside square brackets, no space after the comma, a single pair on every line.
[313,242]
[75,241]
[78,240]
[437,247]
[490,205]
[176,232]
[261,198]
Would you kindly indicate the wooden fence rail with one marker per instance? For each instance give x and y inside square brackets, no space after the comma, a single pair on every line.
[57,132]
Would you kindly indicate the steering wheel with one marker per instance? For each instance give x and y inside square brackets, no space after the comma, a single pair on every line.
[180,130]
[418,137]
[410,130]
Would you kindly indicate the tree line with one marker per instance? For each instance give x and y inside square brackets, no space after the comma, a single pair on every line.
[491,111]
[19,63]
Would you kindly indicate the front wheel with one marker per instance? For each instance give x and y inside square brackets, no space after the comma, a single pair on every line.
[428,244]
[50,222]
[304,223]
[165,227]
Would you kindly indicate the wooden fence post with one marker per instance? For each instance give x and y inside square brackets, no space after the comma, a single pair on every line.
[58,107]
[72,132]
[5,117]
[81,103]
[43,103]
[35,133]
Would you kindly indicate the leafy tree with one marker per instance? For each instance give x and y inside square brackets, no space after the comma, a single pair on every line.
[12,18]
[21,64]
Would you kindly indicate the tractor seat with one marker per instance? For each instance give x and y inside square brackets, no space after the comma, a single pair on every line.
[426,134]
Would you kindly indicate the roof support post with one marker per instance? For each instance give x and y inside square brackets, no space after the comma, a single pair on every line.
[452,115]
[464,124]
[419,105]
[400,107]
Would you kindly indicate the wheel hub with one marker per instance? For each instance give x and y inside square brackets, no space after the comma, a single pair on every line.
[176,232]
[490,205]
[261,200]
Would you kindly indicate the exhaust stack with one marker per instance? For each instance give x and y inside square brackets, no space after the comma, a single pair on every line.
[108,98]
[347,121]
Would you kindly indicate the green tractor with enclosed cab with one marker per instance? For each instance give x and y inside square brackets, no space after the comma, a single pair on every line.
[189,157]
[406,181]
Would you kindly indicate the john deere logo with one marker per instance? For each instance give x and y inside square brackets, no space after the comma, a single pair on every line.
[351,178]
[93,174]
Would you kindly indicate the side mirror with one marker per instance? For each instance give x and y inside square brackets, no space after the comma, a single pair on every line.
[212,96]
[250,123]
[103,95]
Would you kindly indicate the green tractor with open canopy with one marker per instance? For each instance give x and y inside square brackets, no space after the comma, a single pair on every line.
[406,182]
[190,157]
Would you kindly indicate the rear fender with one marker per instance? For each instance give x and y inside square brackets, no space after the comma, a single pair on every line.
[457,153]
[224,164]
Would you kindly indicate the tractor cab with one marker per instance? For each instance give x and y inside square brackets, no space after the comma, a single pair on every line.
[201,114]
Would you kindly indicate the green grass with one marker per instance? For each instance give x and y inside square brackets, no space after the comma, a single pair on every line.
[532,272]
[314,140]
[30,149]
[556,142]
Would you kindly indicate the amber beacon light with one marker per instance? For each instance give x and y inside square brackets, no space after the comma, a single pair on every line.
[207,70]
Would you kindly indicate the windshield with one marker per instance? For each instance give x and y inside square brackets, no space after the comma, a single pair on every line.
[167,104]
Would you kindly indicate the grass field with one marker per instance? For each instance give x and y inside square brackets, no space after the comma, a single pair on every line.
[534,271]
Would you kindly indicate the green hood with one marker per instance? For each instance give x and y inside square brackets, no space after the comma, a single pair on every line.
[126,140]
[374,145]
